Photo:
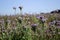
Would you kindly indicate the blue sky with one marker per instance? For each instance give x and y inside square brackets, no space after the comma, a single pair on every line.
[6,6]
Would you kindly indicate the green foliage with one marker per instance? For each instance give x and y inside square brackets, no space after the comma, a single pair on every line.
[34,19]
[51,18]
[22,31]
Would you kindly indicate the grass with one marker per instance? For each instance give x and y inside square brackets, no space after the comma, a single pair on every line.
[23,31]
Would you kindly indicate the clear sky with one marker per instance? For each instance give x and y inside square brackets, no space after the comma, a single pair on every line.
[6,6]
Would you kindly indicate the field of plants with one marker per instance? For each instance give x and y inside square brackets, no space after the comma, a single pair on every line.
[29,27]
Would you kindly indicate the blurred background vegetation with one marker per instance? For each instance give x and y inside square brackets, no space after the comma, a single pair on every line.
[44,26]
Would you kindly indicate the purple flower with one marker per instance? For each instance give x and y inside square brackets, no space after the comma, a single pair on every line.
[14,8]
[40,17]
[34,27]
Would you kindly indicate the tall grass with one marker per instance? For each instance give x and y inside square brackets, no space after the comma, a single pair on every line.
[23,31]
